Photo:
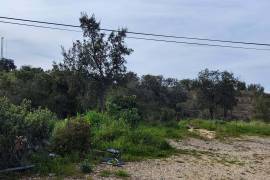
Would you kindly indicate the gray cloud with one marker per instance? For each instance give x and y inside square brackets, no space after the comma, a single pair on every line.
[230,19]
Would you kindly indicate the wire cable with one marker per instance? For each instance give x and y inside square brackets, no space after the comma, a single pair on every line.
[38,26]
[141,33]
[200,44]
[141,38]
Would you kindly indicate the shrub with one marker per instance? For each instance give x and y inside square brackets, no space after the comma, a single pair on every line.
[39,125]
[96,118]
[86,166]
[21,130]
[167,114]
[134,143]
[262,108]
[73,137]
[110,131]
[57,165]
[124,108]
[131,116]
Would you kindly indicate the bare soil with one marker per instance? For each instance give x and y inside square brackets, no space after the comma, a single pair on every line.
[235,158]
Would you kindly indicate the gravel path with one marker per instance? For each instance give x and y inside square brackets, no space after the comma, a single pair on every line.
[245,158]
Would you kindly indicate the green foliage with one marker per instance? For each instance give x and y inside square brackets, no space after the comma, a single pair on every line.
[73,137]
[21,130]
[98,57]
[60,166]
[12,125]
[262,107]
[86,166]
[125,109]
[217,89]
[121,174]
[7,65]
[105,173]
[140,110]
[156,98]
[167,114]
[95,118]
[131,116]
[39,125]
[135,143]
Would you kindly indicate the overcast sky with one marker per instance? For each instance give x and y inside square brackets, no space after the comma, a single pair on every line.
[239,20]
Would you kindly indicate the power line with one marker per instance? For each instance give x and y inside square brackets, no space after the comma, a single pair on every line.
[141,33]
[38,26]
[141,38]
[200,44]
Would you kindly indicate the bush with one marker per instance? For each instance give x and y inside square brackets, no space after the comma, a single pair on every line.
[262,108]
[109,131]
[96,118]
[21,130]
[73,137]
[86,167]
[130,116]
[124,108]
[58,165]
[39,125]
[167,114]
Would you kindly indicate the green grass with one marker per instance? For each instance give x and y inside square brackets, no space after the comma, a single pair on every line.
[105,173]
[121,174]
[59,166]
[142,142]
[230,129]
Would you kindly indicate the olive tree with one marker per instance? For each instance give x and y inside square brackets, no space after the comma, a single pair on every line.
[98,57]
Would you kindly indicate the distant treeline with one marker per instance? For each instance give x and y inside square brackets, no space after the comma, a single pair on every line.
[213,94]
[93,74]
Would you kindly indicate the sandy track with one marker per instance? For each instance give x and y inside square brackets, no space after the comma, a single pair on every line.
[245,158]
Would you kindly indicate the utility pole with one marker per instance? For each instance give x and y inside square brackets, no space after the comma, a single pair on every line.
[2,47]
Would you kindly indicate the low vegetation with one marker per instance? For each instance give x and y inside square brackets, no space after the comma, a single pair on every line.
[81,141]
[120,174]
[231,128]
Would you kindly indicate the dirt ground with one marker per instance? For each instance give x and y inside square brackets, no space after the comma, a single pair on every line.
[238,158]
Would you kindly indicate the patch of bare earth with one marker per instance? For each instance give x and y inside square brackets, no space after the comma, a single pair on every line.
[238,158]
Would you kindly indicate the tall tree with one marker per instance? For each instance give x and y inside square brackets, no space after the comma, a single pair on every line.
[7,65]
[98,56]
[227,91]
[256,88]
[207,83]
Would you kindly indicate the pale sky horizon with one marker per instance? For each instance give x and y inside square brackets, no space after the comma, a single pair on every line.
[236,20]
